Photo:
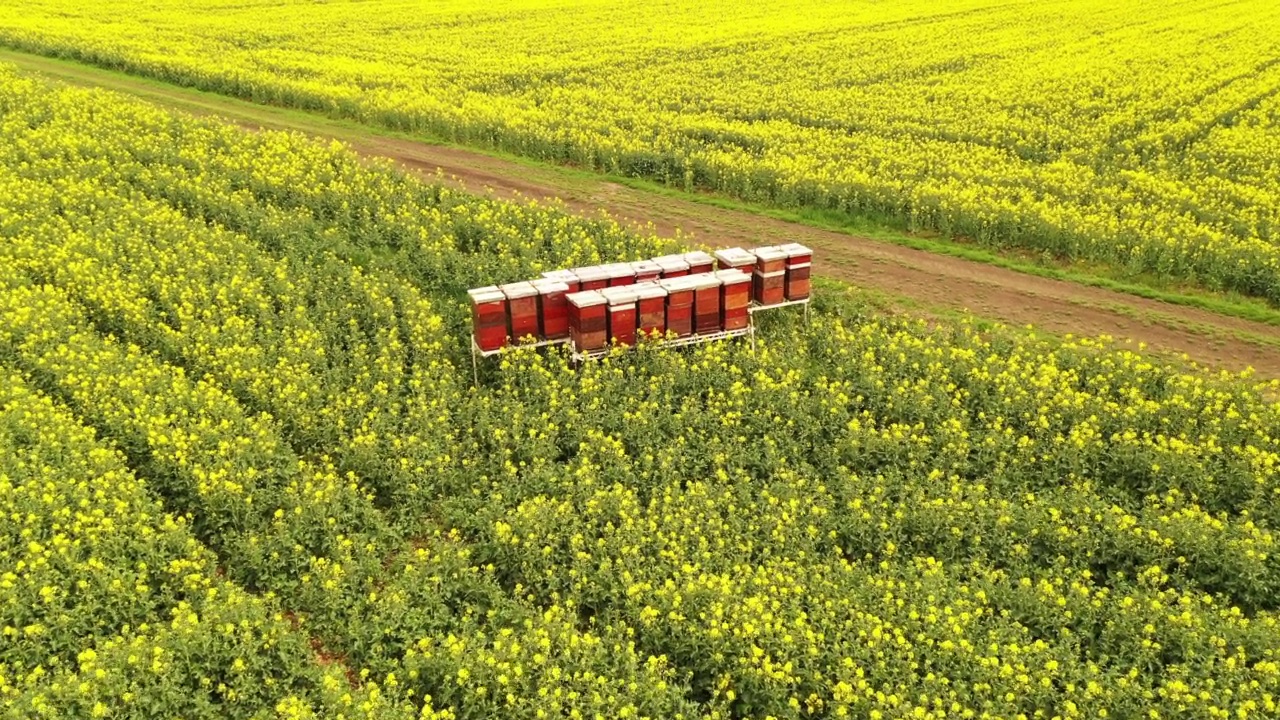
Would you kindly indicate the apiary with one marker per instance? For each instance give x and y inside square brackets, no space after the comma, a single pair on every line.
[588,320]
[735,259]
[553,309]
[699,262]
[522,306]
[735,297]
[651,307]
[673,266]
[568,277]
[622,314]
[646,270]
[706,303]
[679,305]
[594,277]
[489,317]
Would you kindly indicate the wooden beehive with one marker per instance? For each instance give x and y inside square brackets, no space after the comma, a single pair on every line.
[622,314]
[593,277]
[797,254]
[706,303]
[798,281]
[522,307]
[735,259]
[652,308]
[769,288]
[735,297]
[588,320]
[620,274]
[553,309]
[489,317]
[679,305]
[673,266]
[699,262]
[568,277]
[770,260]
[646,270]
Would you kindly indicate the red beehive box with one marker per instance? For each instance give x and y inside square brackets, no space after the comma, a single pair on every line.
[673,266]
[679,305]
[769,288]
[706,303]
[568,277]
[594,277]
[735,259]
[588,320]
[553,309]
[646,270]
[489,317]
[620,274]
[652,308]
[797,254]
[735,296]
[622,314]
[522,305]
[770,260]
[798,281]
[699,262]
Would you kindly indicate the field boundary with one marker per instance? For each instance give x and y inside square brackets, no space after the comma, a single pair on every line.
[924,272]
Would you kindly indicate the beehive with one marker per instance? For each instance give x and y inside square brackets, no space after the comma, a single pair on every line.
[652,308]
[522,307]
[735,259]
[769,288]
[622,314]
[594,277]
[553,309]
[679,305]
[699,262]
[797,254]
[673,266]
[489,317]
[620,274]
[706,303]
[568,277]
[798,281]
[646,270]
[735,296]
[588,320]
[770,260]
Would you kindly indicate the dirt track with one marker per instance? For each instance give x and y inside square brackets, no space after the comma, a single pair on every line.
[926,279]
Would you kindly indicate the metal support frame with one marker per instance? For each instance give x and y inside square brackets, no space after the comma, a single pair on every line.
[579,357]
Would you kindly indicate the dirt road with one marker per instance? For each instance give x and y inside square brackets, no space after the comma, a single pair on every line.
[925,279]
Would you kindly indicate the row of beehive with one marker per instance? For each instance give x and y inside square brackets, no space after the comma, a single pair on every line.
[592,304]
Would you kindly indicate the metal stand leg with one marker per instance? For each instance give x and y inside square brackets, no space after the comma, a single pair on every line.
[475,366]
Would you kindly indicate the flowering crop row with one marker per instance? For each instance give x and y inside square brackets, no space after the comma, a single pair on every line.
[1139,138]
[869,516]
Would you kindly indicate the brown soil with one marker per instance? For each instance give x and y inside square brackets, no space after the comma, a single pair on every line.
[927,281]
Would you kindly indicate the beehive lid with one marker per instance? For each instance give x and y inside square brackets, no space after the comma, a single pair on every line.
[624,295]
[649,290]
[795,249]
[645,267]
[593,272]
[517,290]
[697,257]
[617,270]
[586,298]
[731,277]
[770,253]
[706,280]
[547,286]
[567,276]
[735,256]
[672,262]
[673,285]
[487,294]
